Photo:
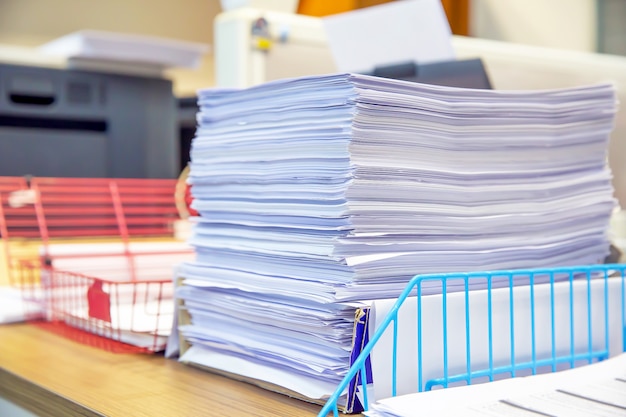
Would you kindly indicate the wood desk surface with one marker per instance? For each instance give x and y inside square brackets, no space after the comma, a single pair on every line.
[53,376]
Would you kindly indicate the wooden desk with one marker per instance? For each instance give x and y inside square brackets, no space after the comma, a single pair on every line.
[52,376]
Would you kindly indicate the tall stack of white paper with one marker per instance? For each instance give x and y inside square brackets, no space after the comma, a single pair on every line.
[344,186]
[319,191]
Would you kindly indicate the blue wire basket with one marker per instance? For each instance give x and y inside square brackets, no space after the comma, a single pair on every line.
[554,319]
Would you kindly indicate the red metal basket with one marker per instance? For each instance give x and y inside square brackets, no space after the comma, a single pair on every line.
[101,271]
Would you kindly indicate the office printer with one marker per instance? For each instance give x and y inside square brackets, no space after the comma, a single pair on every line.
[92,104]
[72,123]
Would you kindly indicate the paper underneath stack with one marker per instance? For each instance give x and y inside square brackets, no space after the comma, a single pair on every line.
[304,347]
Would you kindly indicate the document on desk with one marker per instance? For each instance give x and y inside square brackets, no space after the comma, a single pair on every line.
[319,192]
[598,389]
[543,336]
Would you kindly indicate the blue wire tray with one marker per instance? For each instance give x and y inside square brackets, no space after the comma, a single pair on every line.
[582,285]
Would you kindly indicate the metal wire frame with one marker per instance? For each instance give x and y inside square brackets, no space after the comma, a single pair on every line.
[493,279]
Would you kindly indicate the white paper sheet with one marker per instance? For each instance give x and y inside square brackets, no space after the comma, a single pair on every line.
[597,389]
[124,47]
[397,32]
[432,333]
[309,387]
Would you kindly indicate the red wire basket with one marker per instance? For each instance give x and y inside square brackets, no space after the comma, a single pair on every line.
[102,268]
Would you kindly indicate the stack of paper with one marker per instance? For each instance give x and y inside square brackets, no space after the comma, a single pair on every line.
[303,347]
[103,45]
[342,187]
[317,192]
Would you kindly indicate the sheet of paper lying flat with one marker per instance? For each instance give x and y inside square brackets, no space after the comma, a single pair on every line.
[400,31]
[151,260]
[347,185]
[503,301]
[598,389]
[124,47]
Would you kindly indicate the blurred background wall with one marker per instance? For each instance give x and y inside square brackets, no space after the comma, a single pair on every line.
[586,25]
[33,22]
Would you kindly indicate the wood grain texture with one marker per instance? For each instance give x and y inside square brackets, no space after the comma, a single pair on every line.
[53,376]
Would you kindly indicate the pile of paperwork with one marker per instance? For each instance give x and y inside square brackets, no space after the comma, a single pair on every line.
[317,193]
[342,187]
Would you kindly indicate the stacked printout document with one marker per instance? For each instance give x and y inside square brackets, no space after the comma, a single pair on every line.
[344,186]
[593,390]
[315,193]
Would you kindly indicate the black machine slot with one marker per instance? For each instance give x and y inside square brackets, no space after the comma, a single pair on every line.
[32,100]
[466,73]
[31,122]
[30,89]
[83,123]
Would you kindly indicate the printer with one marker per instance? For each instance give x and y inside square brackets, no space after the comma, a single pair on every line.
[71,123]
[93,104]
